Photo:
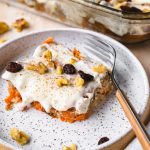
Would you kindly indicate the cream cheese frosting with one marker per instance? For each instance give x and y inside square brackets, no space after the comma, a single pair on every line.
[33,86]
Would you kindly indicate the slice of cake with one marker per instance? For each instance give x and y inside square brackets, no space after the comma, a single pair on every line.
[58,81]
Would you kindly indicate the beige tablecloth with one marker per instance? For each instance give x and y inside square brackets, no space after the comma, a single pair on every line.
[10,14]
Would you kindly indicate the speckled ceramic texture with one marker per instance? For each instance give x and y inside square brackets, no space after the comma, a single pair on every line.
[107,120]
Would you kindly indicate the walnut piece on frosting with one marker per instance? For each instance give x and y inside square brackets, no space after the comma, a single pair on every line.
[51,64]
[100,68]
[72,61]
[40,68]
[62,81]
[47,55]
[79,81]
[59,70]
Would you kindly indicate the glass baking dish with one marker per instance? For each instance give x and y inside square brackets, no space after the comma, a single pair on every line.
[125,27]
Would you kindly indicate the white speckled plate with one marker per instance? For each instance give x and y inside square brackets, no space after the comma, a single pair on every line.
[107,120]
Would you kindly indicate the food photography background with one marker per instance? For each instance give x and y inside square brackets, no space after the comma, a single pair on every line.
[9,14]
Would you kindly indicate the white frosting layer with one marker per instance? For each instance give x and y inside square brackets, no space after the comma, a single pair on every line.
[140,4]
[42,88]
[143,5]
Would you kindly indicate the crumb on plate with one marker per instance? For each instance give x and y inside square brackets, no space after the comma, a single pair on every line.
[19,136]
[3,27]
[71,147]
[2,41]
[20,24]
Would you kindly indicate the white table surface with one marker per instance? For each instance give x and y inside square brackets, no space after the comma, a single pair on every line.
[9,14]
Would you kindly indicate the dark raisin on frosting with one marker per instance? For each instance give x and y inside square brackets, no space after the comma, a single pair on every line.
[13,67]
[69,69]
[103,140]
[85,76]
[130,9]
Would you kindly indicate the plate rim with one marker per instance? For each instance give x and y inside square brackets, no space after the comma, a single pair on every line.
[136,61]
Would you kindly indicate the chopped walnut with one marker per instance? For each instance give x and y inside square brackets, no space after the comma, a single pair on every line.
[2,40]
[71,147]
[72,61]
[19,136]
[59,70]
[100,68]
[31,67]
[79,81]
[40,68]
[20,24]
[51,64]
[3,27]
[66,148]
[62,81]
[47,55]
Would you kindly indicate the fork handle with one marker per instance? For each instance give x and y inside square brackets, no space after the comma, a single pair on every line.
[133,118]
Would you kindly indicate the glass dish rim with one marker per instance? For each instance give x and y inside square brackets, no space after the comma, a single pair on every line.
[113,11]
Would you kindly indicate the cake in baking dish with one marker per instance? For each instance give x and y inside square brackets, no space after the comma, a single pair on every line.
[125,5]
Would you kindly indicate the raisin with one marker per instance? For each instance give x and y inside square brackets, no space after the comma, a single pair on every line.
[103,140]
[13,67]
[130,9]
[86,77]
[69,69]
[85,96]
